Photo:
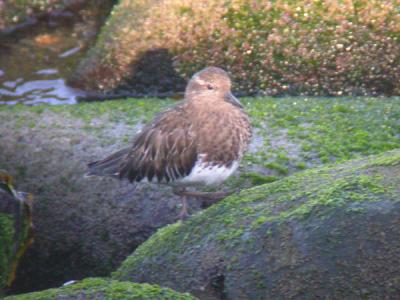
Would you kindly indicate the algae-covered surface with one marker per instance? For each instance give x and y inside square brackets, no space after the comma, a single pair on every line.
[6,248]
[87,226]
[291,134]
[98,288]
[326,232]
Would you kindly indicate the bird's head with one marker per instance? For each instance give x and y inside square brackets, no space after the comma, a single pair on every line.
[211,83]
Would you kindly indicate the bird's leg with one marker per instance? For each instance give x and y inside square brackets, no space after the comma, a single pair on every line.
[184,211]
[183,215]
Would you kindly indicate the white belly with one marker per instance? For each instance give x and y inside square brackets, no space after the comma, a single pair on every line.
[206,174]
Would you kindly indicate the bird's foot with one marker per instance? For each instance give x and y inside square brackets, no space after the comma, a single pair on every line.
[183,215]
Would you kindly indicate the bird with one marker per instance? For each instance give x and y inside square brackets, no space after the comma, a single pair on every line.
[198,142]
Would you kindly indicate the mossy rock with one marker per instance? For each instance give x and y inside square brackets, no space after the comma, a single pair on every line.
[87,226]
[117,61]
[326,232]
[288,47]
[6,247]
[98,288]
[84,226]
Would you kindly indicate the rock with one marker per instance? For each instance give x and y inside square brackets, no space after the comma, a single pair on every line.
[97,288]
[330,232]
[84,226]
[87,226]
[15,229]
[151,47]
[121,62]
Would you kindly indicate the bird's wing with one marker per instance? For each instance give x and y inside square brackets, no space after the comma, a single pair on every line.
[163,151]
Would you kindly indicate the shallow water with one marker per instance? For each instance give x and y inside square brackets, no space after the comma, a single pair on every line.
[34,64]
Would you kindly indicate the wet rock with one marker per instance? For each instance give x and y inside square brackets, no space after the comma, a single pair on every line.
[97,288]
[330,232]
[88,226]
[119,65]
[84,226]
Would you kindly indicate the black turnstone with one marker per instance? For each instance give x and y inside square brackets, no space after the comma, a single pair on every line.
[197,142]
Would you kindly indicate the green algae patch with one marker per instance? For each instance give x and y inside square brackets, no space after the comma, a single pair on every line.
[299,133]
[328,231]
[98,288]
[6,247]
[15,238]
[291,134]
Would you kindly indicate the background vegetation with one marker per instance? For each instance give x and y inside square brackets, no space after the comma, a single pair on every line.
[277,47]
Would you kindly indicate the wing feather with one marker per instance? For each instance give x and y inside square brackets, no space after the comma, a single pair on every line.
[164,150]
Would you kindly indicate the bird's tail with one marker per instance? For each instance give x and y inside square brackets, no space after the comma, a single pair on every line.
[109,166]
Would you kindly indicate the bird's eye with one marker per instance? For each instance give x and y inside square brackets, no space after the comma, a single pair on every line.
[210,87]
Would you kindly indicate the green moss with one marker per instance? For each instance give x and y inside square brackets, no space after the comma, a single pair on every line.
[130,111]
[318,131]
[98,288]
[6,247]
[257,179]
[230,234]
[392,160]
[282,170]
[258,222]
[301,165]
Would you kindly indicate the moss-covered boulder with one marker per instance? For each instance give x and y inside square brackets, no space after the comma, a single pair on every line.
[121,63]
[88,226]
[328,232]
[84,226]
[281,47]
[15,229]
[98,288]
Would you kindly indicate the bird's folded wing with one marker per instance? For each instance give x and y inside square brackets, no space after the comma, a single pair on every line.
[164,151]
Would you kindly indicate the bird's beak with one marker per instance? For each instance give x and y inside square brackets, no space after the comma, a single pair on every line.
[233,100]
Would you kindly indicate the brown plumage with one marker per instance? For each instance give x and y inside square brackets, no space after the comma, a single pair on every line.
[199,141]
